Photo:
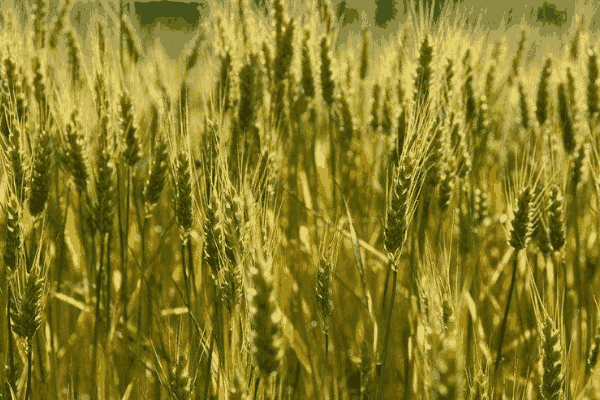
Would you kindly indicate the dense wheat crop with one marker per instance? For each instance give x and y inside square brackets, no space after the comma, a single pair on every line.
[281,214]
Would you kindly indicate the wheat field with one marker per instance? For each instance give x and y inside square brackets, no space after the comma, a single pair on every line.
[282,214]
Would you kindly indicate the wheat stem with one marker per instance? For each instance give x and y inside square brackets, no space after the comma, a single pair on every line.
[388,328]
[94,383]
[11,356]
[513,279]
[29,362]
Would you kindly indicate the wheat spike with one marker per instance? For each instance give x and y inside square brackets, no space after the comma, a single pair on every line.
[183,195]
[267,346]
[103,182]
[593,98]
[12,237]
[179,381]
[397,213]
[39,186]
[543,95]
[248,107]
[555,216]
[307,80]
[327,84]
[592,357]
[75,153]
[131,152]
[514,72]
[552,376]
[40,12]
[26,313]
[386,113]
[364,55]
[521,225]
[523,106]
[158,174]
[423,78]
[566,120]
[323,290]
[59,24]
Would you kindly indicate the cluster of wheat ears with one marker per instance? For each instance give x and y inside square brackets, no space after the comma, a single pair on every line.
[268,219]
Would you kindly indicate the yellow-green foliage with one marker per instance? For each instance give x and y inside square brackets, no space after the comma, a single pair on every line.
[299,207]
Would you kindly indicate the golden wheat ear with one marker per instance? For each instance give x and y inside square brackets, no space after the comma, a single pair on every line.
[267,344]
[158,175]
[26,312]
[131,152]
[552,375]
[39,184]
